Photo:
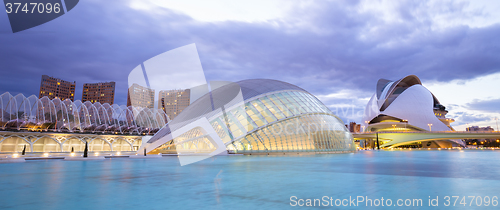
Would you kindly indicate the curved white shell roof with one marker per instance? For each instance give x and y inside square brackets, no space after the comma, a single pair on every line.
[405,99]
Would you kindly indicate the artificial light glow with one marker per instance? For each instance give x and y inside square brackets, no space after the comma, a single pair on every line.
[15,155]
[118,153]
[45,154]
[72,154]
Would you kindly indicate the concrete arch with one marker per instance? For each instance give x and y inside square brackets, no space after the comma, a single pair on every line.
[14,144]
[100,146]
[73,142]
[46,144]
[121,144]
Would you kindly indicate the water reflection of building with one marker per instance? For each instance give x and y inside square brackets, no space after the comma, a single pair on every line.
[102,92]
[140,96]
[56,88]
[173,102]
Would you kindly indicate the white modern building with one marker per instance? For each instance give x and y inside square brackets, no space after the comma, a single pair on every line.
[257,116]
[406,105]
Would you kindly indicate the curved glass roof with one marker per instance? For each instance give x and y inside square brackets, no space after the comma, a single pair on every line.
[273,121]
[254,87]
[225,94]
[295,101]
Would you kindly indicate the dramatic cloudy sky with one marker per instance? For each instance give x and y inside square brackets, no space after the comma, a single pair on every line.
[337,50]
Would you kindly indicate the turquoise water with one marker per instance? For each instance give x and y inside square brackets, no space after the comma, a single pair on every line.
[252,182]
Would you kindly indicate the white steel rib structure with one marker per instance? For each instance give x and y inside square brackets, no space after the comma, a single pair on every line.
[44,125]
[273,117]
[19,113]
[406,105]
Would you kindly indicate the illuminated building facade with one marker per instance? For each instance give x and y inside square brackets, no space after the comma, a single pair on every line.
[273,117]
[139,96]
[46,125]
[173,102]
[20,113]
[406,105]
[102,92]
[56,88]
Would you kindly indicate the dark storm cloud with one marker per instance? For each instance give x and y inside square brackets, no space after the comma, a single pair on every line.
[95,42]
[492,106]
[324,48]
[468,118]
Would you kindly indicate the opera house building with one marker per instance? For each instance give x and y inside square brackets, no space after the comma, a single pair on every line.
[406,105]
[257,116]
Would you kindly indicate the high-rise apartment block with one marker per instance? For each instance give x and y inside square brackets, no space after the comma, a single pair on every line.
[354,128]
[57,88]
[172,102]
[140,96]
[102,92]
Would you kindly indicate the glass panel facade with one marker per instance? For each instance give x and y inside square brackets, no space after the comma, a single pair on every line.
[287,121]
[254,115]
[307,133]
[192,141]
[272,108]
[221,130]
[282,108]
[263,111]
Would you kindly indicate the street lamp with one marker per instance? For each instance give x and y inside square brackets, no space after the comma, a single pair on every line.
[430,127]
[406,122]
[496,119]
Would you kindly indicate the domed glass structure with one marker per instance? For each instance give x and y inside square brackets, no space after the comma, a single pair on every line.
[273,117]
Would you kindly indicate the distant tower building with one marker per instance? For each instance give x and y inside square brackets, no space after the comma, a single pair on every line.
[172,102]
[354,128]
[477,128]
[102,92]
[57,88]
[140,96]
[479,141]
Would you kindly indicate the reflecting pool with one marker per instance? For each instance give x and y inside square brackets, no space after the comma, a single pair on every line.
[254,182]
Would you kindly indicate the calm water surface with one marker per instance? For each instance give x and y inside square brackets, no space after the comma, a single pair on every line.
[251,182]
